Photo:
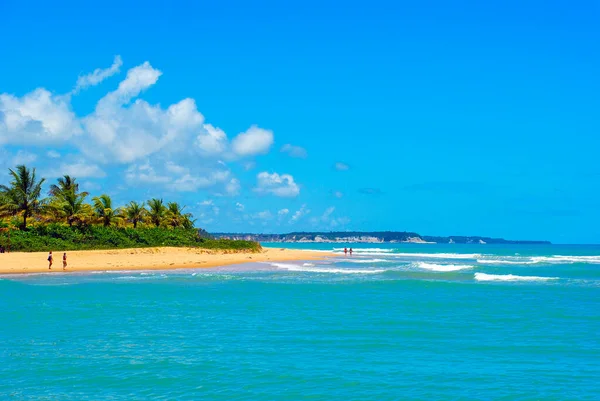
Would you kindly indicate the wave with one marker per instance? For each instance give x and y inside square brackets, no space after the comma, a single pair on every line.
[391,253]
[510,277]
[442,268]
[566,259]
[363,250]
[504,262]
[297,268]
[363,260]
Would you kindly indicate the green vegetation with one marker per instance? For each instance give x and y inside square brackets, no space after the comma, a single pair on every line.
[64,221]
[55,236]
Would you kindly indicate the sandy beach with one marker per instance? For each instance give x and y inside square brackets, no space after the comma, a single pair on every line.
[145,259]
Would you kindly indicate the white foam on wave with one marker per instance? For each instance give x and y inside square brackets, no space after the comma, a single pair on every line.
[504,262]
[363,260]
[312,269]
[442,268]
[510,277]
[365,250]
[566,259]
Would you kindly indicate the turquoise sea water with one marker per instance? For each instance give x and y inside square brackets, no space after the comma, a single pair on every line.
[392,322]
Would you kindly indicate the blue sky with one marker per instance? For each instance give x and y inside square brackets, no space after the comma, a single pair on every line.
[443,118]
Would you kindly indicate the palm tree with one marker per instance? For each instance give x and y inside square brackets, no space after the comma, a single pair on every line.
[188,222]
[135,212]
[23,194]
[104,210]
[72,207]
[65,184]
[67,202]
[156,211]
[175,215]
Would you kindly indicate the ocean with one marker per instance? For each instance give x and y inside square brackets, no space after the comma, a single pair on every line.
[390,322]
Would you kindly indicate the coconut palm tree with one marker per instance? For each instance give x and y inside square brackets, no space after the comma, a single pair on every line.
[156,211]
[65,184]
[104,210]
[135,212]
[188,222]
[175,215]
[67,202]
[22,196]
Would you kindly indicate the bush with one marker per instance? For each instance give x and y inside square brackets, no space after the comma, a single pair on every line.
[60,237]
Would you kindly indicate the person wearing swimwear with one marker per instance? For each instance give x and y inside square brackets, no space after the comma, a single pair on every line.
[64,261]
[345,251]
[350,251]
[50,259]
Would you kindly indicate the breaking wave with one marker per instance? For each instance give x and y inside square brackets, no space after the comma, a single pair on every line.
[442,268]
[510,277]
[297,268]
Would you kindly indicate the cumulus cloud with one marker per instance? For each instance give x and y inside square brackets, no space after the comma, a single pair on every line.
[79,169]
[37,118]
[98,75]
[253,141]
[144,174]
[294,151]
[123,129]
[339,166]
[279,185]
[338,194]
[207,202]
[239,207]
[212,141]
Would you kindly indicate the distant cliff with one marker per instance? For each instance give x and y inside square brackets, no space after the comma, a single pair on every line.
[371,236]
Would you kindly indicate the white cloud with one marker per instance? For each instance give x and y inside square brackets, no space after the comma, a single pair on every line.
[294,151]
[327,219]
[265,215]
[191,183]
[145,174]
[212,141]
[253,141]
[36,118]
[23,157]
[138,79]
[233,187]
[338,194]
[78,169]
[53,154]
[98,75]
[282,213]
[175,168]
[278,185]
[207,202]
[239,207]
[300,213]
[339,166]
[249,166]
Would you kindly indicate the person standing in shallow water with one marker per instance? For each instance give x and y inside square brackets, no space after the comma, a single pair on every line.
[50,259]
[345,251]
[64,261]
[350,251]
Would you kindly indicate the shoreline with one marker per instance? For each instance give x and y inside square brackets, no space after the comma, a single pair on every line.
[163,258]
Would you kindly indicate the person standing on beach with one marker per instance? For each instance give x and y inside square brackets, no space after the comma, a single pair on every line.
[50,259]
[64,261]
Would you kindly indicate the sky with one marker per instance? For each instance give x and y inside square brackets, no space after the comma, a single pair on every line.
[443,118]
